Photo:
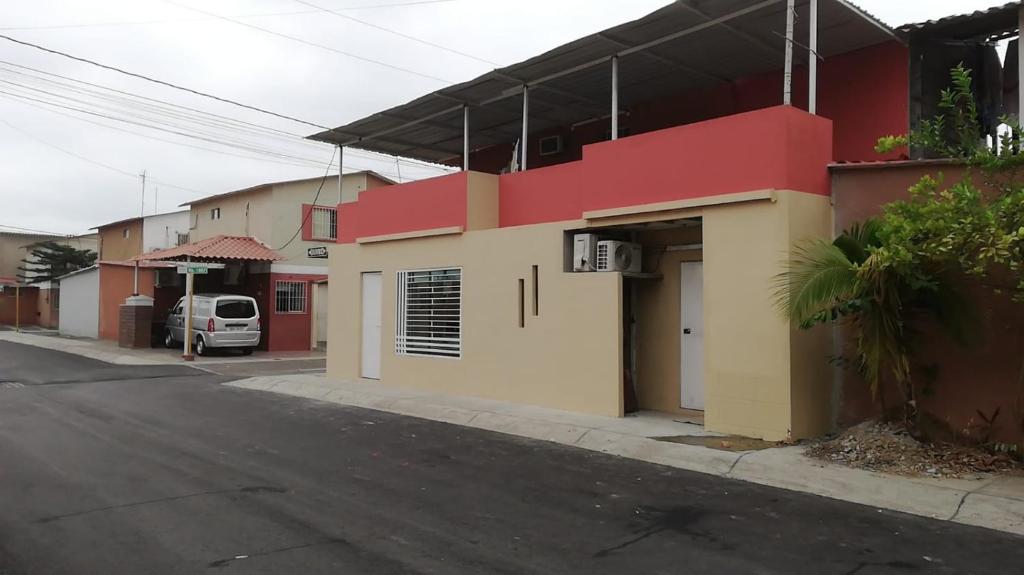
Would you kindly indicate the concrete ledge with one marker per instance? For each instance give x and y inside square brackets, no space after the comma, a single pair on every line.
[449,231]
[995,503]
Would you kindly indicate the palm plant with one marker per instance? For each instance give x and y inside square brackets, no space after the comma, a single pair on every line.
[849,280]
[839,281]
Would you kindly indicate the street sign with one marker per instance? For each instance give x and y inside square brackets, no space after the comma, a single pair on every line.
[200,269]
[319,252]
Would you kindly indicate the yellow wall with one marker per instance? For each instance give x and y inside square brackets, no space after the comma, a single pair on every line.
[247,214]
[762,378]
[114,247]
[286,212]
[566,357]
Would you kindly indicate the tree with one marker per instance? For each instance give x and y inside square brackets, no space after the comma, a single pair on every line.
[50,260]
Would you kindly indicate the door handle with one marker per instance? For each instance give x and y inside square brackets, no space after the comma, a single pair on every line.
[686,330]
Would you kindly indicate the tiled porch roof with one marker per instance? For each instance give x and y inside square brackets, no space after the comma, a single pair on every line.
[238,248]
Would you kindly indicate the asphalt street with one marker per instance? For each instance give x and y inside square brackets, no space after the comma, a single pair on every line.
[162,470]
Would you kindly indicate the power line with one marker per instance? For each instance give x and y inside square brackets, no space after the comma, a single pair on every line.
[316,197]
[309,43]
[161,82]
[91,161]
[178,20]
[139,96]
[396,32]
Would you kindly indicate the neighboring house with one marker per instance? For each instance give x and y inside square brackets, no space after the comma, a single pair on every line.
[291,289]
[81,291]
[470,283]
[41,300]
[124,239]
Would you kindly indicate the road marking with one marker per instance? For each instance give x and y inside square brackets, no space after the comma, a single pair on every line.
[11,385]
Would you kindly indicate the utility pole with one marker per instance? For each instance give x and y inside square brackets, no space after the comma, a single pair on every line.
[142,214]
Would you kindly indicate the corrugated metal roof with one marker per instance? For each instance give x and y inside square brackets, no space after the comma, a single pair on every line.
[683,46]
[980,24]
[222,247]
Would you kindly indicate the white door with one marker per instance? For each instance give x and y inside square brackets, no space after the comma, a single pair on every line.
[371,325]
[321,313]
[691,321]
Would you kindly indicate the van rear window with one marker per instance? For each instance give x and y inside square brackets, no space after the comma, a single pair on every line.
[236,309]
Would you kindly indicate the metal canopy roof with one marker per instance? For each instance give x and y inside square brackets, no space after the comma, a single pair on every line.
[992,23]
[686,45]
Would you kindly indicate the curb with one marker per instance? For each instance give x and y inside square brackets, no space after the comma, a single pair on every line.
[988,503]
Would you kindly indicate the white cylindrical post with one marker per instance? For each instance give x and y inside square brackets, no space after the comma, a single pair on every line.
[787,75]
[812,61]
[341,174]
[615,97]
[465,138]
[526,127]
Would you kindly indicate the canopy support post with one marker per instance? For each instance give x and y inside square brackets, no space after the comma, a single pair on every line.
[812,61]
[526,127]
[787,77]
[615,97]
[465,137]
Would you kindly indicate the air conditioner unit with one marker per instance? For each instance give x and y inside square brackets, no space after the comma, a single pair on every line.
[584,252]
[550,145]
[615,256]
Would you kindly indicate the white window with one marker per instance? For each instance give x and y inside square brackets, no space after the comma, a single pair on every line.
[429,313]
[215,214]
[290,297]
[126,233]
[325,223]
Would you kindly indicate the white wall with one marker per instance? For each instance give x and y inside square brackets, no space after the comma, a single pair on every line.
[161,231]
[80,304]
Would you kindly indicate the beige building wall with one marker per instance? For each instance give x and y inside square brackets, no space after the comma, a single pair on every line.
[13,250]
[286,212]
[566,357]
[246,214]
[115,247]
[762,377]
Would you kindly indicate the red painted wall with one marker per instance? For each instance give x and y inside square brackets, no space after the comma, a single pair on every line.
[116,283]
[779,147]
[422,205]
[287,331]
[865,93]
[27,302]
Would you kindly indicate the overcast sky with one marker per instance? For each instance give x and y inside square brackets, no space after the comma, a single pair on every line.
[62,174]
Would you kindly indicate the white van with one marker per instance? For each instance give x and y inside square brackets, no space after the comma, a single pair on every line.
[218,320]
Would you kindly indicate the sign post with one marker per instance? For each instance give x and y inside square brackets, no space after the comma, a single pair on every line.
[191,269]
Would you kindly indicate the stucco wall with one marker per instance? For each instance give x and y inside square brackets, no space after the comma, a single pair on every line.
[116,283]
[566,357]
[161,231]
[286,213]
[247,214]
[756,362]
[114,247]
[981,376]
[80,304]
[13,250]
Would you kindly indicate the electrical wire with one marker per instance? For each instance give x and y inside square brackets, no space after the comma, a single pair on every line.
[161,82]
[316,197]
[396,32]
[94,162]
[178,20]
[309,43]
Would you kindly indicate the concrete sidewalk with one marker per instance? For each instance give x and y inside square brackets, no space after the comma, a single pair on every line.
[992,502]
[110,352]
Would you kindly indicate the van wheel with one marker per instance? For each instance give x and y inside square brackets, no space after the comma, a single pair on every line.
[246,351]
[169,342]
[200,346]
